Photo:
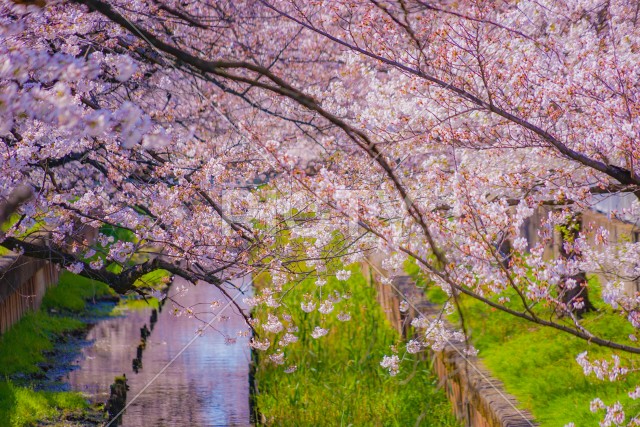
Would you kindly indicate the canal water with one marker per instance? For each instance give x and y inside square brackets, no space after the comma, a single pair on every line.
[206,385]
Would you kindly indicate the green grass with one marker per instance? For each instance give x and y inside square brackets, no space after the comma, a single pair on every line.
[157,279]
[132,304]
[22,346]
[21,350]
[22,406]
[339,380]
[537,364]
[13,219]
[72,293]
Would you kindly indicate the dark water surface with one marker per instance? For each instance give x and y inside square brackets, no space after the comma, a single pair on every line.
[207,385]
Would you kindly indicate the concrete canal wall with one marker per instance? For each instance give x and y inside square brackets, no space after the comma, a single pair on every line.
[477,399]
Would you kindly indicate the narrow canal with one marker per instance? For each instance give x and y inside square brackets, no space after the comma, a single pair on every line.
[207,385]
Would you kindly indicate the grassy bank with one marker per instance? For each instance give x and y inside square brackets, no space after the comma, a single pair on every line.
[72,293]
[339,380]
[25,347]
[538,366]
[22,349]
[22,406]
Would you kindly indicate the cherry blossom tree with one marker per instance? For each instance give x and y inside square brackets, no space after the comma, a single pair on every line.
[423,130]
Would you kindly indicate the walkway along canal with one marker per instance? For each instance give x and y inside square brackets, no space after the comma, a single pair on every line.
[207,385]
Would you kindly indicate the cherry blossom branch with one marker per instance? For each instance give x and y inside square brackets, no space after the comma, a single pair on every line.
[622,175]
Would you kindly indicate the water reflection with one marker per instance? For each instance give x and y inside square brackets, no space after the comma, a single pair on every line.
[207,385]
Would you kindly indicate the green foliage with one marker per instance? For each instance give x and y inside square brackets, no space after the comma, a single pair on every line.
[22,406]
[73,291]
[339,380]
[538,365]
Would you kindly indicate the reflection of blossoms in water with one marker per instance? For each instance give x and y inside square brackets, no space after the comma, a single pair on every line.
[319,332]
[181,290]
[158,294]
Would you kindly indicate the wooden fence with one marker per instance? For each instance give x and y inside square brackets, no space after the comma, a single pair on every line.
[23,282]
